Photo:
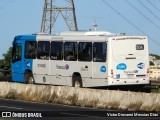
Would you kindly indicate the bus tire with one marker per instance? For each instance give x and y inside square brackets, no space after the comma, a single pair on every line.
[29,78]
[77,82]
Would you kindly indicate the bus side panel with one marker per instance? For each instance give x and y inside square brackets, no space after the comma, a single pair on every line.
[99,75]
[19,69]
[17,75]
[85,70]
[41,71]
[58,71]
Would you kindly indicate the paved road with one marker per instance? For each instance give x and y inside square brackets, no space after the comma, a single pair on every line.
[57,112]
[50,110]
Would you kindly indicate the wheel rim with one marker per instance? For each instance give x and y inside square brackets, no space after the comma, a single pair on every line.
[31,80]
[77,84]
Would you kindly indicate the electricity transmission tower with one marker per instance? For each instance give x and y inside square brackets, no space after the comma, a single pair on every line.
[51,12]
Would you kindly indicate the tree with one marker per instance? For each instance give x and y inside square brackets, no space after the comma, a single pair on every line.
[156,56]
[151,63]
[6,62]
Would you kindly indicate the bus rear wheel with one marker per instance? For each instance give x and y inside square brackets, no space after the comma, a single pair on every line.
[29,78]
[77,82]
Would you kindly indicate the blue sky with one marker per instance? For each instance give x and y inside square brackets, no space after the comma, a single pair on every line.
[134,17]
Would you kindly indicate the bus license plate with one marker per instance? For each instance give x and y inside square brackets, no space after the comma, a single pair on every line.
[130,75]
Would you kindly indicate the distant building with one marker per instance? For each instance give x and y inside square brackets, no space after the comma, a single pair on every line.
[154,69]
[152,58]
[155,72]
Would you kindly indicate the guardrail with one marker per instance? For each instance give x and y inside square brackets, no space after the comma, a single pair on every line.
[6,75]
[6,78]
[155,83]
[102,99]
[5,72]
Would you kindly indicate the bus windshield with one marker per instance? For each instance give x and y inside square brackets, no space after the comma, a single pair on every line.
[17,53]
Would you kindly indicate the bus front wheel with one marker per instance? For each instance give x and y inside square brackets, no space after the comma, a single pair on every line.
[29,78]
[77,82]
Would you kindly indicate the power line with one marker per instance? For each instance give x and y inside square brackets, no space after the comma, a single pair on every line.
[153,5]
[149,10]
[135,26]
[147,18]
[123,16]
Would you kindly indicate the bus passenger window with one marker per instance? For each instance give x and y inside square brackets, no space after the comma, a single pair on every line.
[99,52]
[30,49]
[85,51]
[56,51]
[43,50]
[70,51]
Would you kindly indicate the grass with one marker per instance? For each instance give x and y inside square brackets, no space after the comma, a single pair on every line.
[152,89]
[155,90]
[1,74]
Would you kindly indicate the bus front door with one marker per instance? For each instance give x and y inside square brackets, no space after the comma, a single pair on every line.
[17,64]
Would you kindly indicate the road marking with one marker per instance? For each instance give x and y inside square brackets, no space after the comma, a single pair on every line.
[10,107]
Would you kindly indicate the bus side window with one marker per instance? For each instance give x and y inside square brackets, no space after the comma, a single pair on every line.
[70,51]
[56,51]
[30,49]
[85,51]
[99,52]
[43,50]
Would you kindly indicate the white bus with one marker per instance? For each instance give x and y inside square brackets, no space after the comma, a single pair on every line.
[81,59]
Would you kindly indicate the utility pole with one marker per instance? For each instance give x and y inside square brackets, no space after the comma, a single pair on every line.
[51,13]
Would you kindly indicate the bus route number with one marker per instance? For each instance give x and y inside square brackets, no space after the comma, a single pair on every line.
[139,47]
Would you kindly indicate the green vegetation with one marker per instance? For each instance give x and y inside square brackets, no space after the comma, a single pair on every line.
[154,89]
[156,56]
[1,74]
[151,63]
[6,62]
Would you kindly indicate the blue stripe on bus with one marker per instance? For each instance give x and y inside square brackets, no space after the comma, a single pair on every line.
[25,37]
[19,67]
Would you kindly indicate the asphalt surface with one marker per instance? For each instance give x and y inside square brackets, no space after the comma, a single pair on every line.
[46,111]
[55,111]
